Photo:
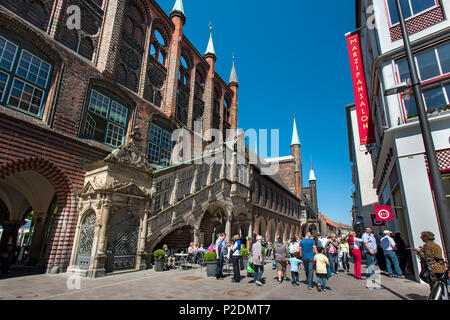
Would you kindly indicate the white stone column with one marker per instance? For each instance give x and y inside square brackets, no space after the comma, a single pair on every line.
[140,263]
[173,198]
[194,180]
[229,219]
[106,208]
[196,235]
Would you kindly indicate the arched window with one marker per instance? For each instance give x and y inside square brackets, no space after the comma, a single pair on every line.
[199,84]
[106,118]
[263,195]
[183,75]
[216,109]
[269,198]
[275,203]
[226,109]
[135,21]
[159,144]
[156,47]
[256,192]
[24,79]
[183,92]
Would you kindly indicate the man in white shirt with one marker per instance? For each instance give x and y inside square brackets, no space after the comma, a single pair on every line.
[389,248]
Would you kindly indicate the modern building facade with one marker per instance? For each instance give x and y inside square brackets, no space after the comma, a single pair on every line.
[364,195]
[400,170]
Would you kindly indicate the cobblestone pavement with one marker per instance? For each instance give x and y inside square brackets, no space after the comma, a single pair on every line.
[194,285]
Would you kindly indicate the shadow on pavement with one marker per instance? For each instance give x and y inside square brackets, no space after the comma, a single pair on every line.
[19,270]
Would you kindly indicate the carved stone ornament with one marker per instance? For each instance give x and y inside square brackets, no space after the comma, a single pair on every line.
[132,153]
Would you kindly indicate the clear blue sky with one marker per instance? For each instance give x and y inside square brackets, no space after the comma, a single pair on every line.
[291,57]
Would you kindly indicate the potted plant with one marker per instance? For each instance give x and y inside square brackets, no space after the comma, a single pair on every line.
[244,258]
[210,261]
[159,259]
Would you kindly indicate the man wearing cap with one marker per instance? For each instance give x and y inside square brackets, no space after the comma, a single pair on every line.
[388,246]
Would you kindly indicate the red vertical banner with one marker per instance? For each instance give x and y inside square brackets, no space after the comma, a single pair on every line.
[365,125]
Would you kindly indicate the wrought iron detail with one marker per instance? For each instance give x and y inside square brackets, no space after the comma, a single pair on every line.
[122,245]
[86,239]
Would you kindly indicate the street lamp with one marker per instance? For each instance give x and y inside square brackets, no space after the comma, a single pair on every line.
[443,211]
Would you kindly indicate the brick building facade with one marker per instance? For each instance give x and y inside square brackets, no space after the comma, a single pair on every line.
[86,121]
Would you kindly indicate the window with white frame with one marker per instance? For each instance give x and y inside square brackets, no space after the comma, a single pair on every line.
[24,79]
[432,63]
[159,144]
[106,119]
[410,8]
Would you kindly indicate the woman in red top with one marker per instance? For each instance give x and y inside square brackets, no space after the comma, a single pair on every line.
[354,244]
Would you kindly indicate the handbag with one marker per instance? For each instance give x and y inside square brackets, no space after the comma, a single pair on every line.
[274,265]
[426,274]
[250,267]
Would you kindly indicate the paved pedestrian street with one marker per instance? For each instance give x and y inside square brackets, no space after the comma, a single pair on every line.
[193,284]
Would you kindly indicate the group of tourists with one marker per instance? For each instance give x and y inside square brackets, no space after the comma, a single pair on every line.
[321,256]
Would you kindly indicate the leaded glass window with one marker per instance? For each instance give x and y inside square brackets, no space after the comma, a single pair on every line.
[24,78]
[106,119]
[159,144]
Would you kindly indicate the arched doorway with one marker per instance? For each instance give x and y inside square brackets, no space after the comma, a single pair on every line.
[177,240]
[28,201]
[121,248]
[86,240]
[313,229]
[34,180]
[271,231]
[262,227]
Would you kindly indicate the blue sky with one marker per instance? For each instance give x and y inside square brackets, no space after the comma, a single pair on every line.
[291,57]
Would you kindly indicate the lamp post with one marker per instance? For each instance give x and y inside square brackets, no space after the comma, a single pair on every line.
[443,211]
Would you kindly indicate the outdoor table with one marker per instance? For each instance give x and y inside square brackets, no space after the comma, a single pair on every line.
[179,257]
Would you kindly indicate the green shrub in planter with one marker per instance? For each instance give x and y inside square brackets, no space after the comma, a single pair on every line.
[244,252]
[159,254]
[263,250]
[159,259]
[210,256]
[210,261]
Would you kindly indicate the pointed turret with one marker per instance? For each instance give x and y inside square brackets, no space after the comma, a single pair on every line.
[312,176]
[210,51]
[295,139]
[233,76]
[178,9]
[233,84]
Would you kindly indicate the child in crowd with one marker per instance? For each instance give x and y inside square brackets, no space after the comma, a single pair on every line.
[321,262]
[294,261]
